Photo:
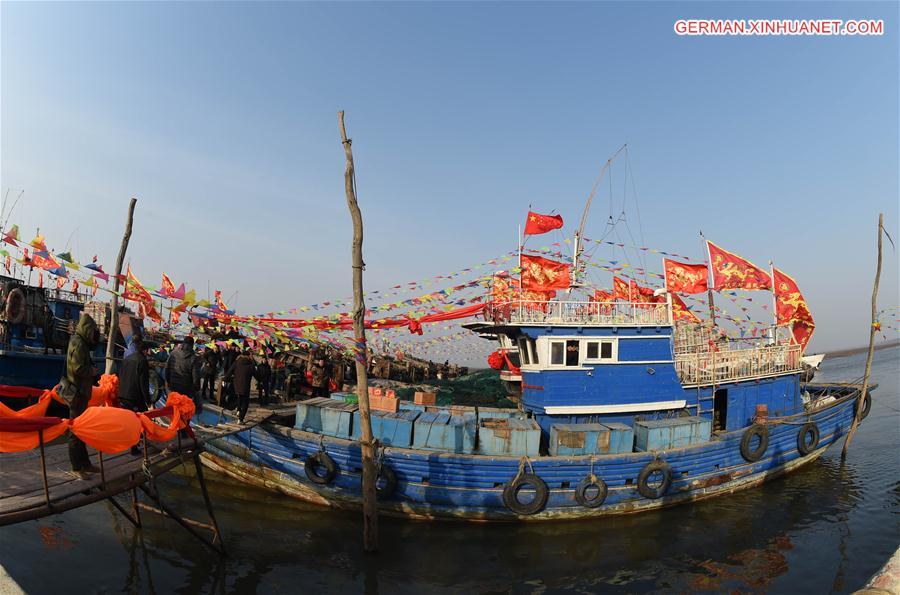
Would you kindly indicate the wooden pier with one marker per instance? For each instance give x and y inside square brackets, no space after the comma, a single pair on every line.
[39,483]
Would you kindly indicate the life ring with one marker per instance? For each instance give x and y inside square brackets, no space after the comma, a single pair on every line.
[867,406]
[756,454]
[529,480]
[385,482]
[591,482]
[320,468]
[15,306]
[808,438]
[644,487]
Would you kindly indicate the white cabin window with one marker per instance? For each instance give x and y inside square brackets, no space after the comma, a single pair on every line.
[557,353]
[600,351]
[523,352]
[565,353]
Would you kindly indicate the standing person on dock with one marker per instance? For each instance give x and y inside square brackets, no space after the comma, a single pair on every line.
[263,380]
[318,368]
[183,373]
[75,386]
[209,370]
[241,373]
[134,381]
[228,359]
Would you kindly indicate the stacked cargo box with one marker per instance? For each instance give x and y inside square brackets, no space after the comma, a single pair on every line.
[663,434]
[590,439]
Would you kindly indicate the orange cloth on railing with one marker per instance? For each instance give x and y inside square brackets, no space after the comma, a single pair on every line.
[107,429]
[107,393]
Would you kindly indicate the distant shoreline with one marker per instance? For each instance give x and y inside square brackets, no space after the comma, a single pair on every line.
[855,350]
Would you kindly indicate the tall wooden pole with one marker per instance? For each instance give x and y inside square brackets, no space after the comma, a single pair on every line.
[865,386]
[369,494]
[114,304]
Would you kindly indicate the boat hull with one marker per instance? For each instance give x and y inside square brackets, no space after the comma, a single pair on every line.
[434,485]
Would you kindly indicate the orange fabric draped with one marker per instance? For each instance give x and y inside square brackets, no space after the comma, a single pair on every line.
[107,429]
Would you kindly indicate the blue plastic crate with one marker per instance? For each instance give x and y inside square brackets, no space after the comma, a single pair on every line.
[509,437]
[391,429]
[664,434]
[443,432]
[325,416]
[621,438]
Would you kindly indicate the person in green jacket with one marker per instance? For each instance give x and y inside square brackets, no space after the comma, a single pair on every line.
[75,386]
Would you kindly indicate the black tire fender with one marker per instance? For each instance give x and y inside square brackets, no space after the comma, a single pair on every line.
[586,484]
[643,479]
[512,489]
[317,462]
[753,455]
[808,430]
[15,306]
[867,406]
[389,485]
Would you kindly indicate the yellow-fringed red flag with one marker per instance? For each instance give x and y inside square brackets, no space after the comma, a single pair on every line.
[682,277]
[730,271]
[168,288]
[680,311]
[790,307]
[621,289]
[134,291]
[543,274]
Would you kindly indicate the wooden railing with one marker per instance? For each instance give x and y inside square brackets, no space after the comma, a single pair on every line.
[713,367]
[565,312]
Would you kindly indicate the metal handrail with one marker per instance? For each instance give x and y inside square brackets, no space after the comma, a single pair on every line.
[579,312]
[740,364]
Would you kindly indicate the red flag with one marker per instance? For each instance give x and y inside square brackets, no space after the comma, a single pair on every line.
[639,293]
[43,259]
[219,303]
[621,290]
[680,311]
[685,278]
[543,274]
[730,271]
[504,289]
[40,279]
[791,307]
[168,288]
[601,296]
[60,282]
[176,316]
[134,291]
[537,223]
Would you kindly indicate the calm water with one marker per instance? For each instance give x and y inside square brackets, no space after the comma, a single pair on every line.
[826,528]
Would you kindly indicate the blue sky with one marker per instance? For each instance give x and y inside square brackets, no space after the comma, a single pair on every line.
[221,118]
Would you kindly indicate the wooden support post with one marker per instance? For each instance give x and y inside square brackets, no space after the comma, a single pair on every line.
[369,494]
[44,468]
[865,387]
[135,510]
[114,303]
[217,535]
[178,519]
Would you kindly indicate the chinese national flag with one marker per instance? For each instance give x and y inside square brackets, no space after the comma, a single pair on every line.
[537,223]
[168,288]
[621,290]
[685,278]
[790,306]
[680,311]
[134,291]
[730,271]
[543,274]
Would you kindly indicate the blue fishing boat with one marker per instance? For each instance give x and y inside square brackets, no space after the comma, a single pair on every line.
[622,410]
[627,402]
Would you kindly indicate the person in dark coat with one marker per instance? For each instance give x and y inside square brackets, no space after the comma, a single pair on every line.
[209,370]
[228,395]
[134,381]
[263,380]
[241,373]
[183,373]
[75,386]
[318,370]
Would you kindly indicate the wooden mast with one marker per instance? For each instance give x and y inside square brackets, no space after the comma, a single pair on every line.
[114,303]
[865,387]
[369,494]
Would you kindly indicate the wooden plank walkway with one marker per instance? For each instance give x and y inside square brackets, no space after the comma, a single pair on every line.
[24,496]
